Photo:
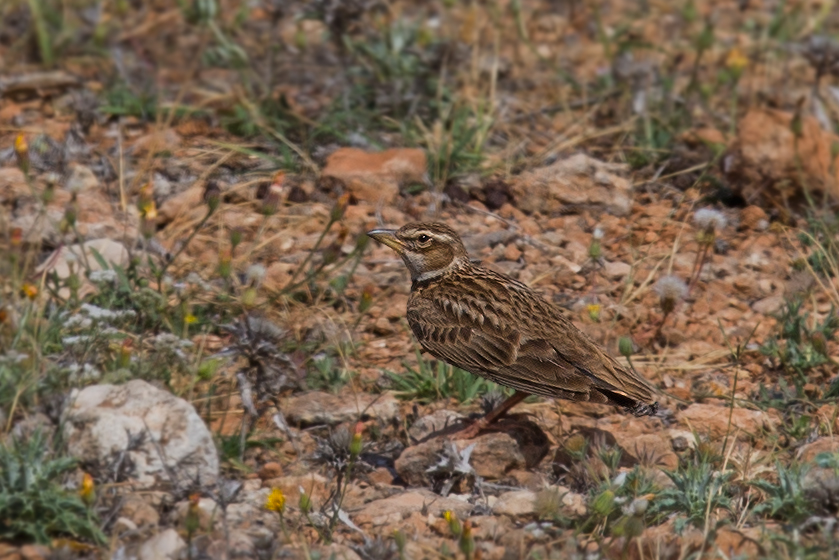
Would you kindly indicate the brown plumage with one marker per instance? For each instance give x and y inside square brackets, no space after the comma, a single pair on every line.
[493,326]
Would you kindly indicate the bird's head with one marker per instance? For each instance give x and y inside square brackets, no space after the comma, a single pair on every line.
[428,249]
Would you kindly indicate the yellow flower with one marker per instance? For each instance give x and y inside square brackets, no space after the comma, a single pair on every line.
[736,60]
[453,521]
[21,147]
[593,311]
[148,209]
[29,290]
[275,501]
[190,318]
[87,490]
[22,153]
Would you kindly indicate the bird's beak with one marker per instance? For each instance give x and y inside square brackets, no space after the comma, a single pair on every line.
[388,237]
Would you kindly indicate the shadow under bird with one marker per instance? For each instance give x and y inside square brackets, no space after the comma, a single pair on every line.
[496,327]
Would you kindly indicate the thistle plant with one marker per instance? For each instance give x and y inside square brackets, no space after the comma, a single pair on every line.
[341,452]
[709,222]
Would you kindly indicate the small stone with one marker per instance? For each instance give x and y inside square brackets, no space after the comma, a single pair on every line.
[271,469]
[617,270]
[35,552]
[208,512]
[136,509]
[9,552]
[512,253]
[752,217]
[395,508]
[703,136]
[376,177]
[714,420]
[492,457]
[383,327]
[325,408]
[579,180]
[518,503]
[156,142]
[121,525]
[164,545]
[768,305]
[437,421]
[808,452]
[187,202]
[81,179]
[381,476]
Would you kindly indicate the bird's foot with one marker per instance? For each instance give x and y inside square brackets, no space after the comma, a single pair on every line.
[471,431]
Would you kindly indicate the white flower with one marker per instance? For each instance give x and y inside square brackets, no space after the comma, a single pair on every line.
[709,219]
[101,314]
[78,321]
[106,276]
[13,357]
[72,340]
[83,373]
[598,233]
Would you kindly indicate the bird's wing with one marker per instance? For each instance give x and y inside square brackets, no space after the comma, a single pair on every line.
[503,355]
[516,352]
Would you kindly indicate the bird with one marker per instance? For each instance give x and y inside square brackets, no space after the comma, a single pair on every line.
[494,326]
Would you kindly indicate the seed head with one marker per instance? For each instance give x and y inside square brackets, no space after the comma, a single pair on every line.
[709,221]
[670,290]
[255,274]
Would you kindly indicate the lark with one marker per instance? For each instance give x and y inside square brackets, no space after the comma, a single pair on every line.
[494,326]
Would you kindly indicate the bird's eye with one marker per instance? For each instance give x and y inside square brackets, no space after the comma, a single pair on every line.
[423,238]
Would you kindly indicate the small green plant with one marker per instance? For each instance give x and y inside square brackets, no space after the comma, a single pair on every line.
[429,383]
[327,375]
[787,498]
[801,344]
[34,506]
[698,491]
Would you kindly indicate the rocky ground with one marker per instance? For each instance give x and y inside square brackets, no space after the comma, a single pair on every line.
[202,355]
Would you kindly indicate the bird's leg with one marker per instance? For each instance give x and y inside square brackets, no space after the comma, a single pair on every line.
[475,428]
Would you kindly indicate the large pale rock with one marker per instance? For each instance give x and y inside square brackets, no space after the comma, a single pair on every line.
[768,161]
[166,545]
[102,418]
[375,177]
[395,508]
[714,420]
[576,181]
[325,408]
